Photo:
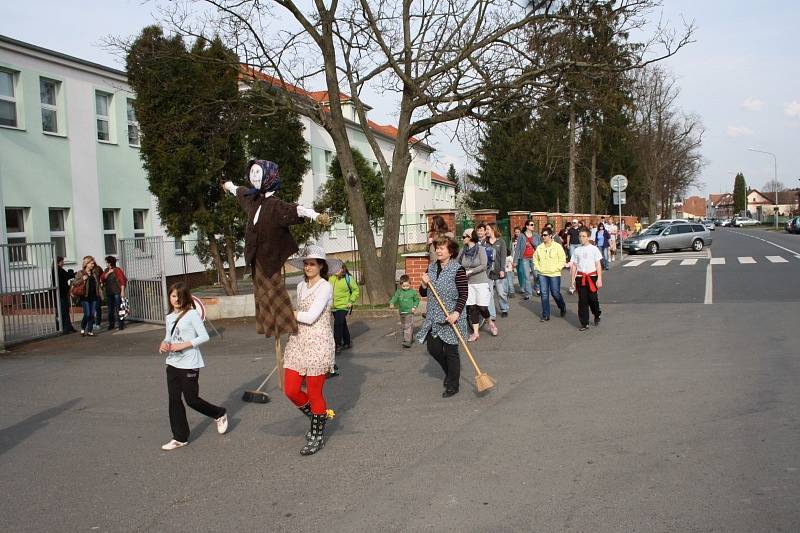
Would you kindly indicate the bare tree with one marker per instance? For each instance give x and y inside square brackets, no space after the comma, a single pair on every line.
[668,142]
[773,186]
[447,61]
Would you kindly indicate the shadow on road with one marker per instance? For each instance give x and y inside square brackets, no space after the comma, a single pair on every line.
[19,432]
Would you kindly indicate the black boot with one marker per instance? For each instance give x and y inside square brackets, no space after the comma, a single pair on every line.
[306,410]
[316,441]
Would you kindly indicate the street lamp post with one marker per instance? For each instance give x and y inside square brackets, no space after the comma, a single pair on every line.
[775,162]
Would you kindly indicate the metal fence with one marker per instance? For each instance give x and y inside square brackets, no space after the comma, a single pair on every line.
[142,260]
[29,298]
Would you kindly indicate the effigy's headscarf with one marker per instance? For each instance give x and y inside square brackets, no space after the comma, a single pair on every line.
[263,175]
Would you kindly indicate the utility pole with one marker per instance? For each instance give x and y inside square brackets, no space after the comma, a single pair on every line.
[775,179]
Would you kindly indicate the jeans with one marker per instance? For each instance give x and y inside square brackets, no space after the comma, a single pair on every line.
[502,293]
[551,285]
[183,382]
[508,281]
[525,268]
[87,322]
[606,255]
[341,334]
[522,278]
[114,301]
[98,317]
[448,358]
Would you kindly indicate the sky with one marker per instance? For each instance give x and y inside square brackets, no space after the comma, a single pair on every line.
[740,76]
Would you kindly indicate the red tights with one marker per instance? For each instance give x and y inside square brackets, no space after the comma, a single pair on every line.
[313,393]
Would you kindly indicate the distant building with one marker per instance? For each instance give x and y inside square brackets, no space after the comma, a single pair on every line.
[720,206]
[692,207]
[761,205]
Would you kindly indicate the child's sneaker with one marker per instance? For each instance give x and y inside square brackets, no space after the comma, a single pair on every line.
[222,424]
[173,444]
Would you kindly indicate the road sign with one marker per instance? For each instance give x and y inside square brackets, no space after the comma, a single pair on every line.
[619,183]
[619,198]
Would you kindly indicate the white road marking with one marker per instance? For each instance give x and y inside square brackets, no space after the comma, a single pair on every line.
[633,263]
[661,262]
[717,261]
[746,260]
[776,259]
[796,254]
[709,299]
[689,262]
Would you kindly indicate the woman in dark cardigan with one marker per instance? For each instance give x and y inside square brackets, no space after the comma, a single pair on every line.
[450,280]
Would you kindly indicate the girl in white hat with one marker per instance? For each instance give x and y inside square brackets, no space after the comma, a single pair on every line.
[310,352]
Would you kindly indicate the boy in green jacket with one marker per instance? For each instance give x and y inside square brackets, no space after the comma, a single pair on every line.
[406,299]
[345,294]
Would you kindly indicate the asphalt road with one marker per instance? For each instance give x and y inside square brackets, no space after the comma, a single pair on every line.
[673,415]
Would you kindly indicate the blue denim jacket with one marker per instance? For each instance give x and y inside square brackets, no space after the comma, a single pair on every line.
[519,249]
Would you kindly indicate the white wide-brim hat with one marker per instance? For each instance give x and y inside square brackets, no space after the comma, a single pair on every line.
[314,251]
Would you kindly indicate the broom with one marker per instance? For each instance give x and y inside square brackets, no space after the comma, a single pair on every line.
[257,395]
[483,381]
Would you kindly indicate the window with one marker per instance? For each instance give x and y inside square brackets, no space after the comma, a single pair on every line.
[110,230]
[133,125]
[15,229]
[103,115]
[58,234]
[698,228]
[8,98]
[328,160]
[48,96]
[179,246]
[684,228]
[139,218]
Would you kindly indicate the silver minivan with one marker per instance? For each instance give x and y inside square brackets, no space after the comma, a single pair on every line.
[674,236]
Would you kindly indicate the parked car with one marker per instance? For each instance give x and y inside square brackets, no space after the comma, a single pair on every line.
[674,236]
[726,222]
[738,222]
[717,222]
[792,225]
[709,224]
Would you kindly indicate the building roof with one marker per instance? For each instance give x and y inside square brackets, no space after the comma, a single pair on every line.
[784,197]
[717,200]
[65,57]
[694,205]
[322,97]
[438,178]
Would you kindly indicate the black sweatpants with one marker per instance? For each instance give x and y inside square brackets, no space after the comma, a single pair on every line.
[448,358]
[185,382]
[586,300]
[341,333]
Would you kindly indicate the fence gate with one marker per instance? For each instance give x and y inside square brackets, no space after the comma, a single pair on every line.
[142,260]
[29,298]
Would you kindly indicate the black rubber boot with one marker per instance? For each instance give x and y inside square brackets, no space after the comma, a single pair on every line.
[306,410]
[316,441]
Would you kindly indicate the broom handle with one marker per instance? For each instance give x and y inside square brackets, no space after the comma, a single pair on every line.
[279,360]
[455,329]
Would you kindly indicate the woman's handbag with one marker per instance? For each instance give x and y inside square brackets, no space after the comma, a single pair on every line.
[78,288]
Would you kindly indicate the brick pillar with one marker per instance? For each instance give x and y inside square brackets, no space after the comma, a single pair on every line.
[557,220]
[449,216]
[416,265]
[485,215]
[540,218]
[517,219]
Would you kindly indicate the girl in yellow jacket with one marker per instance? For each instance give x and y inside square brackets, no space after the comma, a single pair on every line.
[549,259]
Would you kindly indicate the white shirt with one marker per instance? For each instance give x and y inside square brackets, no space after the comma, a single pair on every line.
[584,258]
[301,211]
[322,292]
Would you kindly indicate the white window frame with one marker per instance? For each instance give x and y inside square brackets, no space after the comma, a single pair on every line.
[132,123]
[13,98]
[141,233]
[113,231]
[179,250]
[106,118]
[62,233]
[17,235]
[54,107]
[328,161]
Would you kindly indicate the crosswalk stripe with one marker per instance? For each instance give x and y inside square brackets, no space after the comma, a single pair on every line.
[717,260]
[661,262]
[689,262]
[746,260]
[633,263]
[776,259]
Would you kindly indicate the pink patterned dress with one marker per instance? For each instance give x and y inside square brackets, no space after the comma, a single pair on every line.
[311,352]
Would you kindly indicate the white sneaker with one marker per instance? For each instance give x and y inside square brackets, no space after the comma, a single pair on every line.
[173,444]
[222,424]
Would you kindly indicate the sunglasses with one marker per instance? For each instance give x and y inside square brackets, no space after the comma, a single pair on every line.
[531,225]
[545,234]
[466,236]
